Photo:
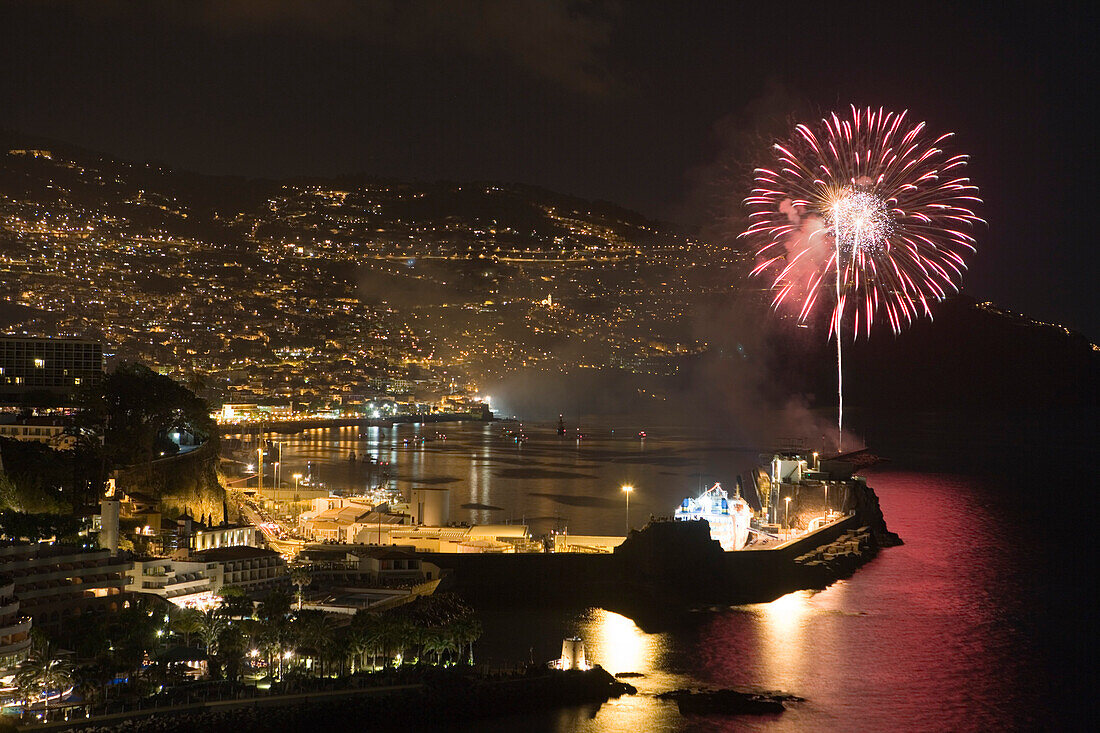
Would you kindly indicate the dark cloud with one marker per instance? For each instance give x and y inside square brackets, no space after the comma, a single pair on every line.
[556,41]
[716,187]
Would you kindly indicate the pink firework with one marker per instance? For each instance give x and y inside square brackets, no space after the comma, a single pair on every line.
[868,209]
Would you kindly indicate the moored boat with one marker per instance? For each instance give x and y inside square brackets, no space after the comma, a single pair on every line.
[728,518]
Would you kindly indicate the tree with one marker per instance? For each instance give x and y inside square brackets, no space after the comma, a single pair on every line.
[90,682]
[356,643]
[314,632]
[390,635]
[466,631]
[368,627]
[134,632]
[231,649]
[138,409]
[211,626]
[187,621]
[276,630]
[235,602]
[435,642]
[301,577]
[42,672]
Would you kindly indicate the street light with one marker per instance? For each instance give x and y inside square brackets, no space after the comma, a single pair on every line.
[627,490]
[260,471]
[787,515]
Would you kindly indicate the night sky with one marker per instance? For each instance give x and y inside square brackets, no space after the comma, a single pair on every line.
[653,106]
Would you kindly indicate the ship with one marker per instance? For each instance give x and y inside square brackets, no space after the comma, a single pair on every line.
[729,519]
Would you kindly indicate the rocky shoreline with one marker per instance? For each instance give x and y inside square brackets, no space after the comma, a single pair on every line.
[729,702]
[441,699]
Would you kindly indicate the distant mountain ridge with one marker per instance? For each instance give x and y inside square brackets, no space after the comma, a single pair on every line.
[223,208]
[214,271]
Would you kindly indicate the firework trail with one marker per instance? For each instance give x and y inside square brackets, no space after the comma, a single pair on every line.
[866,210]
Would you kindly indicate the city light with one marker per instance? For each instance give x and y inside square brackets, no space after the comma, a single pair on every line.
[628,490]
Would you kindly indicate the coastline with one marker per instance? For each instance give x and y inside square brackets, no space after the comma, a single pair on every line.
[438,697]
[671,568]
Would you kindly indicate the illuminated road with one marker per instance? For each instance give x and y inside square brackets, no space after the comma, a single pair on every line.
[287,547]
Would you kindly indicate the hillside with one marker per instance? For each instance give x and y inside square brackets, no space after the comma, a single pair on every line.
[352,291]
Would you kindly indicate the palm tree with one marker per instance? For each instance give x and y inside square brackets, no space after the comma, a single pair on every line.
[300,576]
[211,626]
[356,643]
[314,630]
[404,634]
[43,671]
[467,630]
[91,682]
[134,633]
[390,635]
[231,650]
[435,642]
[368,624]
[276,630]
[188,621]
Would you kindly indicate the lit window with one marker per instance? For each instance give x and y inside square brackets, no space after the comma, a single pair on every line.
[40,363]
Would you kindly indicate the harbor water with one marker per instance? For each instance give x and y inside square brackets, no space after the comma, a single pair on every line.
[975,623]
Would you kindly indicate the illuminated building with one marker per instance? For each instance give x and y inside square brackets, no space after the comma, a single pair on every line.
[54,582]
[15,628]
[60,366]
[49,430]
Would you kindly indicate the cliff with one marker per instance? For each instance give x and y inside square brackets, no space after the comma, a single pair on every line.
[187,482]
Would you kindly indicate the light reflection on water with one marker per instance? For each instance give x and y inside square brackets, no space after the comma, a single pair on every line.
[616,643]
[782,624]
[938,634]
[481,464]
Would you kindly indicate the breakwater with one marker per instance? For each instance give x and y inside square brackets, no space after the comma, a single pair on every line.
[669,568]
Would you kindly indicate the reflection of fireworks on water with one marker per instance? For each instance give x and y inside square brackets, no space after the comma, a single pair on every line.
[868,209]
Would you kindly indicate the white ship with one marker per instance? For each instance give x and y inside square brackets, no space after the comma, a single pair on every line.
[728,518]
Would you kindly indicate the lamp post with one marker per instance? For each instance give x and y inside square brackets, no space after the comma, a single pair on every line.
[297,477]
[787,515]
[627,490]
[260,471]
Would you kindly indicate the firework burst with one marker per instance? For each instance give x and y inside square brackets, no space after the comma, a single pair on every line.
[866,211]
[874,198]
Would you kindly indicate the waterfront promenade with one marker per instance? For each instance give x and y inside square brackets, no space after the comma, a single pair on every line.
[297,425]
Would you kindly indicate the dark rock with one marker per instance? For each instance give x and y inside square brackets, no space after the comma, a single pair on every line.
[728,702]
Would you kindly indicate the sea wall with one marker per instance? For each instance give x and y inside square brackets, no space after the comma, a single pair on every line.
[670,567]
